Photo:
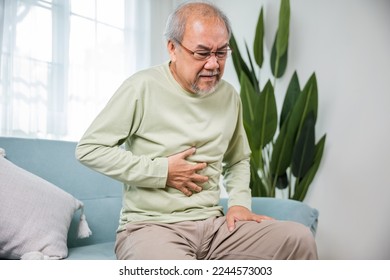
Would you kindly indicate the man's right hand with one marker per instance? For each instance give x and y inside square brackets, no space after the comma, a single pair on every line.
[183,175]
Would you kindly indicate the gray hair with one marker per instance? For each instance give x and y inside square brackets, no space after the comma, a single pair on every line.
[176,23]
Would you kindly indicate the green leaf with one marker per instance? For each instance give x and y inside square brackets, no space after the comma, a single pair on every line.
[253,77]
[282,152]
[238,61]
[283,28]
[279,63]
[290,98]
[301,189]
[258,44]
[256,158]
[307,102]
[256,184]
[266,117]
[304,148]
[249,99]
[279,53]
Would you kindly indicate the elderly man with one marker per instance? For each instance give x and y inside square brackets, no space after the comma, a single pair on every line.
[182,128]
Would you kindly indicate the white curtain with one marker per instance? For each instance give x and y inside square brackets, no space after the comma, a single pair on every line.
[61,60]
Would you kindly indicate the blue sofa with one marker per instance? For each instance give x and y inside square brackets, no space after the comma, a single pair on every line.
[55,162]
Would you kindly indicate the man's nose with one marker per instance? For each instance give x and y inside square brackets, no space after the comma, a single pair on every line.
[212,62]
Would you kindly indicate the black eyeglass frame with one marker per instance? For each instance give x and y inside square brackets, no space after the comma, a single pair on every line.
[200,55]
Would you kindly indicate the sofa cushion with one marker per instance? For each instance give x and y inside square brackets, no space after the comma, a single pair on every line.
[35,214]
[99,251]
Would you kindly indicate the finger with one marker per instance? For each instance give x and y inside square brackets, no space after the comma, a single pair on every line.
[200,166]
[194,187]
[266,218]
[185,191]
[230,220]
[199,178]
[261,218]
[187,153]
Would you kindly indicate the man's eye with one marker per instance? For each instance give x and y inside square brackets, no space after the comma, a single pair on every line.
[203,54]
[221,53]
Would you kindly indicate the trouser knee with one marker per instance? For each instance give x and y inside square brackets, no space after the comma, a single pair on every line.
[301,242]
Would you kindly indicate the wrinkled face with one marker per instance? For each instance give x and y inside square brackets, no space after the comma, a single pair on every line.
[201,34]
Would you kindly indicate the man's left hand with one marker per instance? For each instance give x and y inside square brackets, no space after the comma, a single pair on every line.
[241,213]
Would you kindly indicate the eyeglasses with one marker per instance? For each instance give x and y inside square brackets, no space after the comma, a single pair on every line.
[221,54]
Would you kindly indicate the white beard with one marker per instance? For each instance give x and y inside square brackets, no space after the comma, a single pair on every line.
[204,92]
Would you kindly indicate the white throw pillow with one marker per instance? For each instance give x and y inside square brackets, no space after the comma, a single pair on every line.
[35,215]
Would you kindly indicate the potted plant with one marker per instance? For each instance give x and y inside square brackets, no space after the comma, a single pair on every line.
[285,157]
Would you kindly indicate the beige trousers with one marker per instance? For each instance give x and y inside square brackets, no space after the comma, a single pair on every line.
[210,239]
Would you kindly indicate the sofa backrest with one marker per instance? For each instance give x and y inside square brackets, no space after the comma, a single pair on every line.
[55,162]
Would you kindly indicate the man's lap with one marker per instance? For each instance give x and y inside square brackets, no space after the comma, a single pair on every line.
[211,239]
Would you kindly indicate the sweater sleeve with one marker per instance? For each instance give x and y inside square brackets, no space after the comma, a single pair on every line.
[236,174]
[99,148]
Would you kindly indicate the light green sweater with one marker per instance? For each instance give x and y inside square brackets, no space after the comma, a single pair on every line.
[156,118]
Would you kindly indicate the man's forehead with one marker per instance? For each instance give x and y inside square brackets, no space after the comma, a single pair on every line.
[206,32]
[194,23]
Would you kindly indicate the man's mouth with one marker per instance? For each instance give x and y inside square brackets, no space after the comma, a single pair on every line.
[209,75]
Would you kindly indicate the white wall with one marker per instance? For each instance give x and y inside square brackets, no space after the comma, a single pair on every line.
[347,44]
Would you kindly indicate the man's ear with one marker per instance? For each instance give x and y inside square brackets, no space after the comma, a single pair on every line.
[171,50]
